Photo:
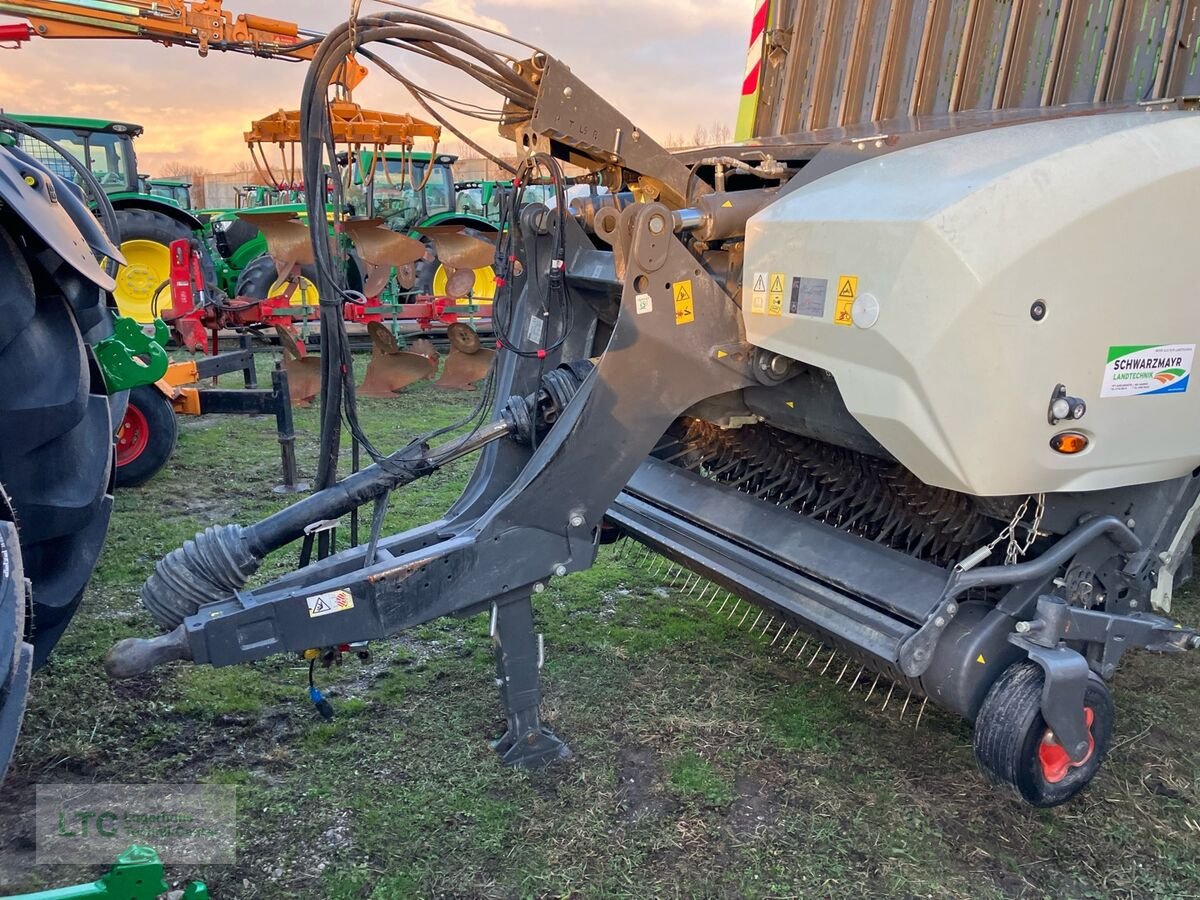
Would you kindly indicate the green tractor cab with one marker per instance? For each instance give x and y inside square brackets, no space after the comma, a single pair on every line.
[148,223]
[177,193]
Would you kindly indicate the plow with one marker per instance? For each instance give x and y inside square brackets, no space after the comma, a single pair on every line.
[867,382]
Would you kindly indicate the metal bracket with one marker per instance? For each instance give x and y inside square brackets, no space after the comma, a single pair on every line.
[916,653]
[118,355]
[1062,695]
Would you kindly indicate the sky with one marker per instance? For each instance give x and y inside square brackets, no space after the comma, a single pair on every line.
[669,65]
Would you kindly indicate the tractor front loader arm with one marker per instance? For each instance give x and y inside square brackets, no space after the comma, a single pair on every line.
[527,515]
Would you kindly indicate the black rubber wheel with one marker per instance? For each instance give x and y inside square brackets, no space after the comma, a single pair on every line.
[1012,744]
[146,438]
[256,279]
[16,655]
[56,432]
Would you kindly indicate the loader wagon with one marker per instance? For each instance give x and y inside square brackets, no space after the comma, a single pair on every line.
[905,374]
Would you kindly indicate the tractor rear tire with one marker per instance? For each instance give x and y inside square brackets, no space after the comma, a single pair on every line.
[147,436]
[56,435]
[145,240]
[256,279]
[1013,745]
[16,654]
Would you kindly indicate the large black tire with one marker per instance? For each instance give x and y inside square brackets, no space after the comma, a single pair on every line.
[260,273]
[16,654]
[56,434]
[1010,730]
[137,224]
[146,438]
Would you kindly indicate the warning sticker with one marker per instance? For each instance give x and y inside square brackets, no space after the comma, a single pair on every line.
[808,297]
[775,294]
[843,312]
[644,303]
[758,293]
[1140,369]
[847,293]
[685,308]
[329,602]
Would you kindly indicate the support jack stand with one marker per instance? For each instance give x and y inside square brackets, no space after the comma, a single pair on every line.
[527,743]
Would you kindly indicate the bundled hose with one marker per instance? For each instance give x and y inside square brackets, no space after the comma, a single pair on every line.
[429,37]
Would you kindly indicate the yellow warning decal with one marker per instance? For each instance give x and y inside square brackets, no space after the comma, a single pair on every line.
[843,312]
[727,205]
[721,354]
[847,291]
[790,404]
[979,659]
[775,294]
[685,309]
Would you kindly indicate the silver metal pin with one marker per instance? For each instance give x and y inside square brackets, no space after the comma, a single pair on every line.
[888,699]
[829,661]
[854,683]
[790,642]
[782,625]
[921,712]
[842,673]
[872,690]
[904,708]
[800,652]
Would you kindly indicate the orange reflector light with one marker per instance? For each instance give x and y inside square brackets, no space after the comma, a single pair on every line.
[1069,442]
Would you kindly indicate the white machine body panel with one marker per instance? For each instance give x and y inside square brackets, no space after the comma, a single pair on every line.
[912,279]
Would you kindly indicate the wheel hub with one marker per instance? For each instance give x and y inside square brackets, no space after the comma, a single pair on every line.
[1053,758]
[133,436]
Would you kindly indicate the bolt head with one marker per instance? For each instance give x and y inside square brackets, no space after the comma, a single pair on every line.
[539,587]
[657,224]
[567,92]
[939,621]
[560,570]
[1023,627]
[576,521]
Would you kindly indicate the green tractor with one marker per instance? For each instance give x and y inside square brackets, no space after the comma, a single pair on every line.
[147,223]
[177,193]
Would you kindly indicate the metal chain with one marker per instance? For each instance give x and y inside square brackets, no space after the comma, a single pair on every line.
[1017,549]
[353,23]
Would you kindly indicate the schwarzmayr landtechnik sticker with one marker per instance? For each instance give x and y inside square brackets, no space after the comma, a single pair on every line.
[1142,369]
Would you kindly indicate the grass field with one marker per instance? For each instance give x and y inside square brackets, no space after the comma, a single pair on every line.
[706,763]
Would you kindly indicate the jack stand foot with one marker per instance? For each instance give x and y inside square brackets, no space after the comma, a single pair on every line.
[526,743]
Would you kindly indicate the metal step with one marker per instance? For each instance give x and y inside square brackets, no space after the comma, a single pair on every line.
[838,586]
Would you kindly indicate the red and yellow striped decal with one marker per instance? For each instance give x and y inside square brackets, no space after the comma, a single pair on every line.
[752,80]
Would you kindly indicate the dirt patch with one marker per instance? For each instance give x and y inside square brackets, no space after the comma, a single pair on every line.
[639,780]
[753,813]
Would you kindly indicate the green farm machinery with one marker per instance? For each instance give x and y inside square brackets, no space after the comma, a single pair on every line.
[147,223]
